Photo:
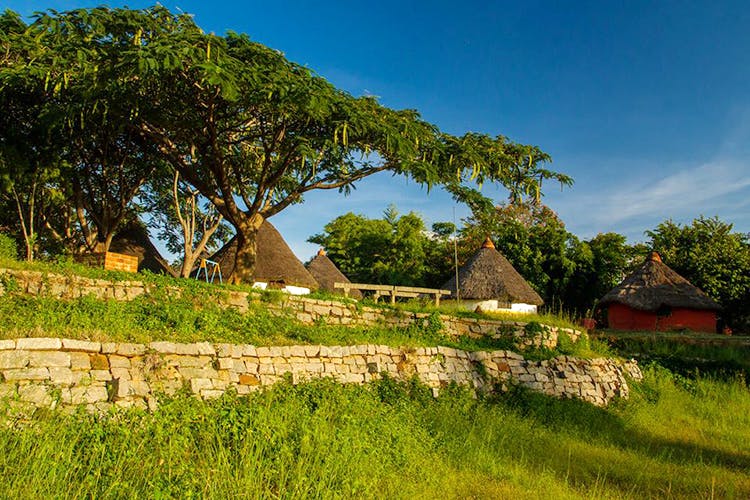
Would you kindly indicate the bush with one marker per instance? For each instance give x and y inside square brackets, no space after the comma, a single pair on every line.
[8,248]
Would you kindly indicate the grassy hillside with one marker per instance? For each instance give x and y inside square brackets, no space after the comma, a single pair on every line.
[685,353]
[674,439]
[195,315]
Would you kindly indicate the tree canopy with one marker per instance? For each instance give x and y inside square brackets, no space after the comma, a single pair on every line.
[132,91]
[395,249]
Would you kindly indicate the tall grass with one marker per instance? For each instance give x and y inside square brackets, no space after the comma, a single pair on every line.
[686,354]
[389,440]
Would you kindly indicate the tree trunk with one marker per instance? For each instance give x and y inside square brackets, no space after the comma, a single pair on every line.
[247,251]
[29,237]
[188,261]
[99,247]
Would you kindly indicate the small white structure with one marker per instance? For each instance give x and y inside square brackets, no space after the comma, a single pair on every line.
[290,289]
[496,305]
[489,282]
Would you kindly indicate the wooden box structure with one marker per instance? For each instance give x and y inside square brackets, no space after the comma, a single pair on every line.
[110,261]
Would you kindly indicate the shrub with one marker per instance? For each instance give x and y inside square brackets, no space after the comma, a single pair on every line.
[565,344]
[8,248]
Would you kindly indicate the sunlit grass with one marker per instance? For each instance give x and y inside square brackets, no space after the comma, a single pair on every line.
[673,439]
[196,317]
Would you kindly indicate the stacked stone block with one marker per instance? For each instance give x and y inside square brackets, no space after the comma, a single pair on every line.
[49,371]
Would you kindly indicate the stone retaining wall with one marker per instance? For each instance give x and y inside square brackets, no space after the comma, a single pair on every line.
[51,371]
[306,310]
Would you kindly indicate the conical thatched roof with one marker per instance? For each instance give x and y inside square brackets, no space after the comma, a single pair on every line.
[326,274]
[275,262]
[654,285]
[489,276]
[133,240]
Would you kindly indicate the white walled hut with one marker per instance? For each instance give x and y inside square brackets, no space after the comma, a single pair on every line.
[276,266]
[327,274]
[489,282]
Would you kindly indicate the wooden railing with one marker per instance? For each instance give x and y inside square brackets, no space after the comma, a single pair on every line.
[392,291]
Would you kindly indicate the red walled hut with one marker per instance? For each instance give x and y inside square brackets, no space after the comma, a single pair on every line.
[656,298]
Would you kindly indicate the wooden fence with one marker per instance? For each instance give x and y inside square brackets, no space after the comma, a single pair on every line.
[392,291]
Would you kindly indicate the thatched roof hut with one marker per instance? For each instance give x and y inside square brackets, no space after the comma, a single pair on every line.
[654,285]
[326,274]
[489,276]
[133,239]
[654,297]
[276,263]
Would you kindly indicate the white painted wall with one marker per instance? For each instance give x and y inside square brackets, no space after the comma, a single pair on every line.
[290,289]
[494,305]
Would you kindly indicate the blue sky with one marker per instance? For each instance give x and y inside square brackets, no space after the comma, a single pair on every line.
[646,106]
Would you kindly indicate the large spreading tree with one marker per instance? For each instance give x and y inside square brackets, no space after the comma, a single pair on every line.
[250,130]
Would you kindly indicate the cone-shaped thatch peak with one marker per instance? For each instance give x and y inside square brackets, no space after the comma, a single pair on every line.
[654,285]
[133,240]
[326,274]
[489,276]
[275,260]
[488,243]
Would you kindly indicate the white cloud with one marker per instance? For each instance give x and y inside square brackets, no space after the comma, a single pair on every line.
[682,191]
[643,198]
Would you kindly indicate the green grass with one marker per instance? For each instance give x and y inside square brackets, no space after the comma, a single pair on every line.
[546,318]
[686,354]
[454,309]
[67,267]
[196,317]
[673,439]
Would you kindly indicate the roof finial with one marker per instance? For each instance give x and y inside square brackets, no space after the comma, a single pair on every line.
[654,257]
[488,243]
[321,252]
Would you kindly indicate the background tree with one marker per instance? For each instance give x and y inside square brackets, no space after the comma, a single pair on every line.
[108,170]
[61,106]
[250,130]
[395,250]
[187,223]
[601,264]
[533,239]
[29,153]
